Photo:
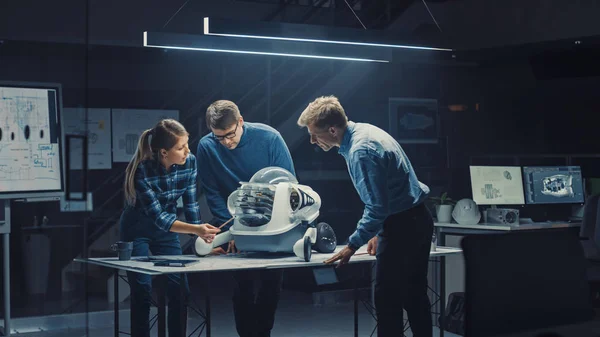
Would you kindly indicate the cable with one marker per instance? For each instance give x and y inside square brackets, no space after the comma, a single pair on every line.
[355,14]
[171,18]
[430,14]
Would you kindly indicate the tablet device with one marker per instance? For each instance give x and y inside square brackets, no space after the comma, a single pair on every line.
[174,263]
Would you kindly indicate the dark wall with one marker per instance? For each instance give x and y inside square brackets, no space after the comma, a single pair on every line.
[510,109]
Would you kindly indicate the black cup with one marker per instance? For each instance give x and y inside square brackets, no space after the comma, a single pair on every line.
[124,249]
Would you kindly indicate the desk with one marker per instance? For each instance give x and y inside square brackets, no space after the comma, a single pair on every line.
[455,281]
[454,228]
[442,229]
[238,262]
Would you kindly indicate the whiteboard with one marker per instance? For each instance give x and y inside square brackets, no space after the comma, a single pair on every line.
[128,125]
[30,140]
[98,128]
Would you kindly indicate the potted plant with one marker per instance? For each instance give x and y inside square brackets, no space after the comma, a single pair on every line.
[443,207]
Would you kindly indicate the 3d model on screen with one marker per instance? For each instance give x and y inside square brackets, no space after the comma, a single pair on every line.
[274,213]
[558,185]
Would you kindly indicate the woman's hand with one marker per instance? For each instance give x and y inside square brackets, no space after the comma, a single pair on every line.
[207,232]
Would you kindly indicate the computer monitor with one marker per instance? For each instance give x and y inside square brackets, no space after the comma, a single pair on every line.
[497,185]
[553,185]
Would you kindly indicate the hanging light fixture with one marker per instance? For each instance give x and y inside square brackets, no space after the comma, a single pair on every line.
[305,33]
[241,45]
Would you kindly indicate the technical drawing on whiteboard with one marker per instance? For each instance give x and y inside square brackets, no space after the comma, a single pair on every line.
[497,185]
[30,151]
[128,125]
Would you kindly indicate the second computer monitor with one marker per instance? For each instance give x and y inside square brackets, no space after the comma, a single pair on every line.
[497,185]
[553,185]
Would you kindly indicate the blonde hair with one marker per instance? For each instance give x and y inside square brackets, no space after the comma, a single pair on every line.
[164,135]
[324,112]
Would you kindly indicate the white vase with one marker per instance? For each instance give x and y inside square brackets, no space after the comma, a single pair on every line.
[444,213]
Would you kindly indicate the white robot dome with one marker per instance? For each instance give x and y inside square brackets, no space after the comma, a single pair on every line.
[273,175]
[252,203]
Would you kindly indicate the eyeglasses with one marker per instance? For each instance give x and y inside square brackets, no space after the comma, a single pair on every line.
[229,135]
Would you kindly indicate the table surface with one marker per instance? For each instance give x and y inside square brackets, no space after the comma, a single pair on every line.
[523,226]
[238,261]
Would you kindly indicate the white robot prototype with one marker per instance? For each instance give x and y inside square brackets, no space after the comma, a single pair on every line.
[274,213]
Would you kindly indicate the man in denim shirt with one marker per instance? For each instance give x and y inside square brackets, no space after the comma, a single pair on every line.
[395,223]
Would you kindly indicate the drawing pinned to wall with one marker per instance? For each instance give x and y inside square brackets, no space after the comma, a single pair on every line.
[414,120]
[97,125]
[128,125]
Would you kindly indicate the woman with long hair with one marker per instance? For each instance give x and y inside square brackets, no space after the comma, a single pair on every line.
[161,171]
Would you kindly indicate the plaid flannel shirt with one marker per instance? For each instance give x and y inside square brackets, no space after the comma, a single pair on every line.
[157,191]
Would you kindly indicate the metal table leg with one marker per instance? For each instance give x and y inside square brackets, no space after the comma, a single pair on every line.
[6,273]
[442,292]
[116,299]
[208,333]
[441,238]
[356,309]
[162,326]
[182,305]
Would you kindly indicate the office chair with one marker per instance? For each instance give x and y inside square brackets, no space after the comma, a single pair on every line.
[589,235]
[588,232]
[524,280]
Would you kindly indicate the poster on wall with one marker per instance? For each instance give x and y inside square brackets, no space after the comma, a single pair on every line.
[414,120]
[128,125]
[97,125]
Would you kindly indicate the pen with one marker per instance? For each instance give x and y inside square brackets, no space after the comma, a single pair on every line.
[226,222]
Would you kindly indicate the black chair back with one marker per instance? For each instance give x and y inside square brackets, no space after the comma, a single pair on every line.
[524,280]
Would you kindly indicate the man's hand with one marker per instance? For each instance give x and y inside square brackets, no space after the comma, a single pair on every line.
[343,256]
[218,251]
[372,246]
[231,248]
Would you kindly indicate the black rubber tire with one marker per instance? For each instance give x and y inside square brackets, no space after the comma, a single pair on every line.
[325,245]
[307,249]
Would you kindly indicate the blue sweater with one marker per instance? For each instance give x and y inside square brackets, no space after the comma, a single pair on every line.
[220,169]
[382,175]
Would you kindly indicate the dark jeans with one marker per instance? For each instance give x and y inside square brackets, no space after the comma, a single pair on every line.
[146,238]
[255,311]
[401,273]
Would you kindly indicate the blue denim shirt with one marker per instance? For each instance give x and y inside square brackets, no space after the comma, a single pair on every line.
[220,170]
[382,175]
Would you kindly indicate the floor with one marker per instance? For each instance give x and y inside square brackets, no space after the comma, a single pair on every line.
[297,315]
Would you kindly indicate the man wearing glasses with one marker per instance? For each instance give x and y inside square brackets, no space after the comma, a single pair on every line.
[231,153]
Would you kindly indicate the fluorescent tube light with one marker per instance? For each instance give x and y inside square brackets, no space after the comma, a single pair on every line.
[303,33]
[240,45]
